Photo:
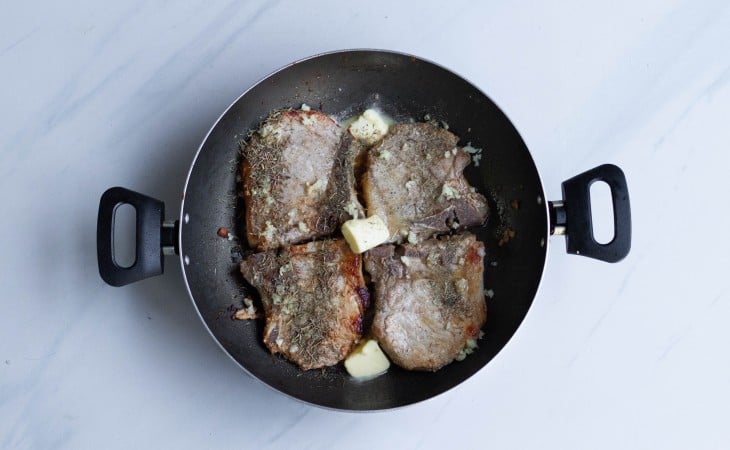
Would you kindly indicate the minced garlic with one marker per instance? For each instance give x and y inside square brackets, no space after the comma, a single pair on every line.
[471,345]
[309,120]
[269,231]
[476,153]
[352,209]
[270,133]
[316,186]
[449,193]
[462,286]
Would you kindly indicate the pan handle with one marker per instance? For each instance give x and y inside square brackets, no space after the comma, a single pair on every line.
[572,215]
[154,238]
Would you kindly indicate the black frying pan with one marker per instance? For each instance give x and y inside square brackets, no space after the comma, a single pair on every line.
[343,84]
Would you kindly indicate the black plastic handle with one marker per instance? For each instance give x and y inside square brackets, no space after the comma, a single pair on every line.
[149,259]
[572,216]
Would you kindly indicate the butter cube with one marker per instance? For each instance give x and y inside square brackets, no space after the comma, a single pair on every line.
[367,361]
[369,127]
[364,234]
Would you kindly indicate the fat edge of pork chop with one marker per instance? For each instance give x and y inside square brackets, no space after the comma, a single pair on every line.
[429,299]
[414,181]
[298,179]
[313,296]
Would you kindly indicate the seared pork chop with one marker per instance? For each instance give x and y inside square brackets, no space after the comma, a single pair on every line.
[429,299]
[313,297]
[414,182]
[298,179]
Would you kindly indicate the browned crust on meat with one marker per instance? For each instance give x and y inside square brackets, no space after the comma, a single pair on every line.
[312,298]
[429,299]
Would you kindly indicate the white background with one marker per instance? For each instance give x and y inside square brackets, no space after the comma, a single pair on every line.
[631,355]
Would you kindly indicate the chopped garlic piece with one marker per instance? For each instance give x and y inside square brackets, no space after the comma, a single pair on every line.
[305,107]
[449,193]
[246,313]
[269,231]
[369,127]
[367,361]
[471,345]
[316,186]
[385,154]
[476,153]
[470,149]
[292,214]
[364,234]
[462,286]
[285,268]
[271,133]
[309,120]
[412,238]
[303,227]
[433,259]
[352,209]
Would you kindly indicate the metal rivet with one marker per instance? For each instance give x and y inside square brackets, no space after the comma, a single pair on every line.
[186,218]
[187,260]
[539,200]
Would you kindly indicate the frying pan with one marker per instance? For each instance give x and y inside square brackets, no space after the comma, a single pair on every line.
[343,84]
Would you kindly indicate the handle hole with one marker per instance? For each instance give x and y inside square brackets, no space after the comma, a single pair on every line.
[602,212]
[124,250]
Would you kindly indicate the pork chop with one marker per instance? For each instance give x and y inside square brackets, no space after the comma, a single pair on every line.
[298,179]
[313,297]
[429,299]
[414,182]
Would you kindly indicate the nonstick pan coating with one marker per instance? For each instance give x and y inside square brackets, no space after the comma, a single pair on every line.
[343,84]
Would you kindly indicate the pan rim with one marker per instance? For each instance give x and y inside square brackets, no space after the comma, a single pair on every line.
[182,221]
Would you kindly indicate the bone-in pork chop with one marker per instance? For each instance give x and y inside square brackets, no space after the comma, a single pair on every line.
[298,179]
[414,182]
[429,299]
[313,297]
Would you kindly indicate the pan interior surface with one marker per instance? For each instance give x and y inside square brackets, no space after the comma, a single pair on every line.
[343,84]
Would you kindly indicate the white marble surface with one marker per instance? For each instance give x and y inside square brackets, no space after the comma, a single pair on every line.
[631,355]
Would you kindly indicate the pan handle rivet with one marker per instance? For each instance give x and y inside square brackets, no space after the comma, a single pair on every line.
[187,260]
[186,219]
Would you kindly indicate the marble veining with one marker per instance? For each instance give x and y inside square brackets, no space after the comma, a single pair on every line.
[630,355]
